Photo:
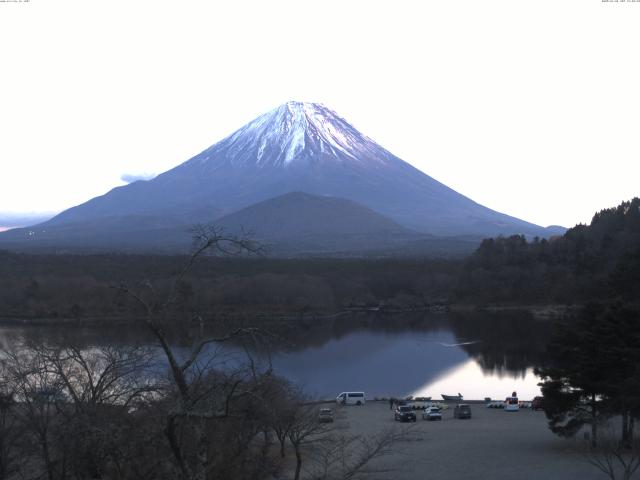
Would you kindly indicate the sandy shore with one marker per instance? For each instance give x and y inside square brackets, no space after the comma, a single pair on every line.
[492,444]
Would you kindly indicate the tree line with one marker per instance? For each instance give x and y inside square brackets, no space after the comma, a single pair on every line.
[599,260]
[78,288]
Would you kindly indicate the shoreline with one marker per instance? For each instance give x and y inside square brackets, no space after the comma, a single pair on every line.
[539,312]
[441,402]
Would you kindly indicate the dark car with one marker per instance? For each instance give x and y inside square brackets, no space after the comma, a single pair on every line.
[536,403]
[404,413]
[462,410]
[325,415]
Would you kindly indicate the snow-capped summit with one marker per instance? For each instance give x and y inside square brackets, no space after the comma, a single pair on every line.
[294,132]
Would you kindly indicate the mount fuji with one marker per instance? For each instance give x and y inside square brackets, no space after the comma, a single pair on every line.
[297,147]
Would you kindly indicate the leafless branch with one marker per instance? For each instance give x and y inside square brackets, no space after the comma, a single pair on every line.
[612,458]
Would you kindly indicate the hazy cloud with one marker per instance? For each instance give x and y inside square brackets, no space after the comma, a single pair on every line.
[134,177]
[23,219]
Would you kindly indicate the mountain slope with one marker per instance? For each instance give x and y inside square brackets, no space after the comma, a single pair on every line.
[291,224]
[297,147]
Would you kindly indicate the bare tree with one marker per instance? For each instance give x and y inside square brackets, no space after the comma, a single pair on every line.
[100,387]
[73,405]
[304,431]
[9,430]
[109,375]
[201,396]
[38,394]
[281,406]
[333,454]
[616,459]
[346,457]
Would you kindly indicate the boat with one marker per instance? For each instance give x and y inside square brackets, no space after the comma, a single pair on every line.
[452,398]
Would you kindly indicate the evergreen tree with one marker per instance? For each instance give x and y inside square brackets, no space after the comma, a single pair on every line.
[574,380]
[593,371]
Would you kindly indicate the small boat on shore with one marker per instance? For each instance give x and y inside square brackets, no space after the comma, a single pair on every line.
[452,398]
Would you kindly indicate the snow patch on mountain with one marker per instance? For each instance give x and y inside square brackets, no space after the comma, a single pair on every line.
[295,131]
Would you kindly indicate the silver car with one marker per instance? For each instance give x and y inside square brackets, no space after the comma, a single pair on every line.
[432,413]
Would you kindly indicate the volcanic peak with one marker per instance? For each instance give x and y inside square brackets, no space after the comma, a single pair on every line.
[295,131]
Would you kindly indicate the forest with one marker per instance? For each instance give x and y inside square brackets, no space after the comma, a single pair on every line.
[588,262]
[69,287]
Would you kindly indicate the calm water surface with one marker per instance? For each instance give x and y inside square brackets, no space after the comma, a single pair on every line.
[477,355]
[400,363]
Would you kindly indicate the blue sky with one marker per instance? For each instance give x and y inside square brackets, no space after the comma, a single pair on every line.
[529,108]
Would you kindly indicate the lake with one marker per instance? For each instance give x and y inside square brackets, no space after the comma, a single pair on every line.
[477,355]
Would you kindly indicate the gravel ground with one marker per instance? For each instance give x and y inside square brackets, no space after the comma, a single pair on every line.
[492,444]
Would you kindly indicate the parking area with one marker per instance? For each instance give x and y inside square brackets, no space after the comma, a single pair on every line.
[492,444]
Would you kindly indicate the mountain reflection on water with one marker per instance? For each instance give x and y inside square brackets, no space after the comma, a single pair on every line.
[478,355]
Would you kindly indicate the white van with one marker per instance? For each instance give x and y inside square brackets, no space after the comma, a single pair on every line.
[511,404]
[351,398]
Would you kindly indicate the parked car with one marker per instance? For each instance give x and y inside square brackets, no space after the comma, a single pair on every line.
[536,403]
[325,415]
[432,413]
[351,398]
[404,413]
[462,410]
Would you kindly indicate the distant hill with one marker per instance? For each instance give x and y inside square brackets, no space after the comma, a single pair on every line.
[299,214]
[302,223]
